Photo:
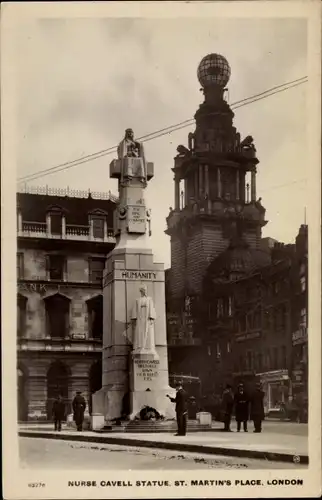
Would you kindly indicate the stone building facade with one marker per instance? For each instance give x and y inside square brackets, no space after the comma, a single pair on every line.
[62,241]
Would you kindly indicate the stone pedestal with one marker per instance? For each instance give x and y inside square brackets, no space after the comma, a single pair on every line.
[141,378]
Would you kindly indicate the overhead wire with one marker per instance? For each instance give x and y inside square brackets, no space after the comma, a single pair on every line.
[161,132]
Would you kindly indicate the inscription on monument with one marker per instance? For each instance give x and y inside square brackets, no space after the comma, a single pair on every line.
[147,370]
[136,219]
[137,275]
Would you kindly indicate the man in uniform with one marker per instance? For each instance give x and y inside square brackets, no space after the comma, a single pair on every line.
[79,406]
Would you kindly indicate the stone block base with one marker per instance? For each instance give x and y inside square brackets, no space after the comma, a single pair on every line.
[155,399]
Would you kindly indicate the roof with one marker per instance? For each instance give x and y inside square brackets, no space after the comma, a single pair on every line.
[33,207]
[239,259]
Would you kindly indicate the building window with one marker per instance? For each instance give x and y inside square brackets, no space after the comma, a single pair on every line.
[98,227]
[57,313]
[303,318]
[303,283]
[230,307]
[21,315]
[96,269]
[56,267]
[260,362]
[275,358]
[20,266]
[220,308]
[56,224]
[242,323]
[283,357]
[95,317]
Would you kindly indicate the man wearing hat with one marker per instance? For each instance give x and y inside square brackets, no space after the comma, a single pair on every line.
[257,407]
[79,406]
[181,409]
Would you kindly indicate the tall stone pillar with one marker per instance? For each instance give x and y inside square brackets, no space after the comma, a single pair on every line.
[253,186]
[135,363]
[176,194]
[219,183]
[237,185]
[200,168]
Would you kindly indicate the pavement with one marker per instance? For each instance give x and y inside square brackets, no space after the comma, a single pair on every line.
[49,454]
[279,441]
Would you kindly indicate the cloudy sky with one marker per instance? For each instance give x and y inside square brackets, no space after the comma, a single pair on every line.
[81,82]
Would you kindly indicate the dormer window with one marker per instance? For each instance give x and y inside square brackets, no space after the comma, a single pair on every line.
[56,223]
[98,226]
[98,223]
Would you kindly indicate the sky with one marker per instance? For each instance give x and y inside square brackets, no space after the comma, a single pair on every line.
[82,82]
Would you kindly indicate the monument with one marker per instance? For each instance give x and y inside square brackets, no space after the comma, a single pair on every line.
[135,361]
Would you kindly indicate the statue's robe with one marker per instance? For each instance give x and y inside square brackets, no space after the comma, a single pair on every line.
[144,316]
[133,149]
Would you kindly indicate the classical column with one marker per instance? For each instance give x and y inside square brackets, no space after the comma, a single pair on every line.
[105,229]
[237,185]
[176,194]
[253,185]
[218,182]
[186,199]
[196,184]
[63,226]
[200,168]
[19,222]
[91,229]
[48,224]
[207,180]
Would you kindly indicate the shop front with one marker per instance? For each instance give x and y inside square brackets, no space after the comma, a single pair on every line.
[276,385]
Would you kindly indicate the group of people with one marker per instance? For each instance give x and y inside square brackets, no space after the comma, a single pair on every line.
[247,407]
[79,407]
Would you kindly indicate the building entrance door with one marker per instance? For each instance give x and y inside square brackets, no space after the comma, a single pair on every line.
[22,402]
[57,384]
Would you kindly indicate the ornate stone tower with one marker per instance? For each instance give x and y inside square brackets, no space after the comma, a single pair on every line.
[215,201]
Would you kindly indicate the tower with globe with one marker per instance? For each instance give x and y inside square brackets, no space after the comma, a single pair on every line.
[215,208]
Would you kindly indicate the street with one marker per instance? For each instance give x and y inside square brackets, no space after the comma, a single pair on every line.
[38,453]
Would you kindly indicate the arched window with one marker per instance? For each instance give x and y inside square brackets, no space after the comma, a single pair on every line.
[57,314]
[21,315]
[95,317]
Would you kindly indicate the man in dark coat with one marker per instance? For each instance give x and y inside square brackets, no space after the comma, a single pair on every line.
[227,406]
[58,412]
[79,406]
[181,409]
[257,408]
[241,408]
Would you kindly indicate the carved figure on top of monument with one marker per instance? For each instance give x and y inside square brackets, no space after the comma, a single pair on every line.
[130,148]
[143,318]
[182,150]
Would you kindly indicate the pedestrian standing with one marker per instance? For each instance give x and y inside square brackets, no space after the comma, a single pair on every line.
[241,401]
[58,412]
[181,409]
[227,406]
[79,406]
[257,408]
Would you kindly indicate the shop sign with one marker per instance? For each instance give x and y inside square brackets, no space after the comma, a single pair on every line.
[247,336]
